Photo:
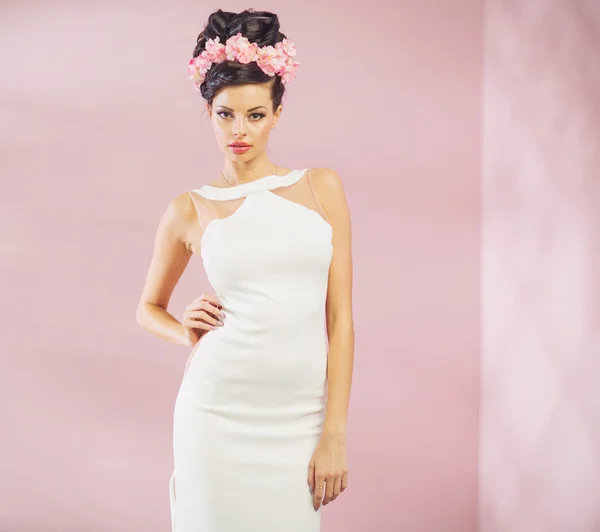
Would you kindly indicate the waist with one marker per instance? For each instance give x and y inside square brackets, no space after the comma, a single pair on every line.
[274,317]
[253,367]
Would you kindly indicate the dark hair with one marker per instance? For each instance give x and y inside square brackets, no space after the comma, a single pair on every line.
[260,27]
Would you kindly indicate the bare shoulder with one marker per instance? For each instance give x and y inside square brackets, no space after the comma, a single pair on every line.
[180,211]
[326,179]
[183,207]
[179,218]
[329,189]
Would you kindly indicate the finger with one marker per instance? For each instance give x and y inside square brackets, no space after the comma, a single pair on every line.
[209,306]
[311,477]
[202,315]
[337,488]
[211,299]
[212,309]
[200,320]
[202,304]
[328,489]
[196,324]
[205,309]
[344,484]
[319,489]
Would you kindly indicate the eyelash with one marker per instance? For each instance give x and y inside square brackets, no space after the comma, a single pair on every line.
[261,115]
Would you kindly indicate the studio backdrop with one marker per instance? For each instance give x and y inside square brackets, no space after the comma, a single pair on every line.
[467,136]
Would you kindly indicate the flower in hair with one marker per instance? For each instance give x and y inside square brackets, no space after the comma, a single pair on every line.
[240,49]
[289,51]
[273,60]
[215,51]
[270,60]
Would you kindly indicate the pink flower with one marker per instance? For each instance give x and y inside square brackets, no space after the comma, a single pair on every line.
[198,67]
[290,71]
[193,71]
[271,59]
[287,46]
[215,50]
[203,62]
[287,50]
[239,48]
[248,54]
[278,59]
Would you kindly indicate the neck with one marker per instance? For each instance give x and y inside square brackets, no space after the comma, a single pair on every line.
[238,174]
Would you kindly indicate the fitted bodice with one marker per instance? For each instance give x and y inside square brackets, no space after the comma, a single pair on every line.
[267,241]
[266,249]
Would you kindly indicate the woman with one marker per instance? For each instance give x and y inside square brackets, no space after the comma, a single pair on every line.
[260,417]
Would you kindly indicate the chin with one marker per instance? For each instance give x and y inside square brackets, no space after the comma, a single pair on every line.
[239,156]
[250,154]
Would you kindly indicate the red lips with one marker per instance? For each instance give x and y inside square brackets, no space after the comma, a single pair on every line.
[239,145]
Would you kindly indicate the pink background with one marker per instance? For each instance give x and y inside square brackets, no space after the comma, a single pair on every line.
[104,129]
[101,129]
[540,431]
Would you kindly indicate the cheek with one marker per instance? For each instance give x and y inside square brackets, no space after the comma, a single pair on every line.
[263,129]
[220,128]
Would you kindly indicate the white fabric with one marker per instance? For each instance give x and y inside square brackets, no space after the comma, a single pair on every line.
[251,405]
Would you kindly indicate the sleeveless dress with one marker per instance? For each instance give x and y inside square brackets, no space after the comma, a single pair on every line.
[251,405]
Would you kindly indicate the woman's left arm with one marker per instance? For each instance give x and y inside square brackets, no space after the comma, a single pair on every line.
[329,461]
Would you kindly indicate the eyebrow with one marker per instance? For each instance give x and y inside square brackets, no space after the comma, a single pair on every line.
[253,109]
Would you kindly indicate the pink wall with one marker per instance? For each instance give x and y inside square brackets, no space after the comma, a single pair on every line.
[540,439]
[101,129]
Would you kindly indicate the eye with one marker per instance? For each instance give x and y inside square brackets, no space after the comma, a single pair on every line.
[222,113]
[260,115]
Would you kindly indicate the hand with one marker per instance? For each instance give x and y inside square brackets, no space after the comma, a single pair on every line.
[328,470]
[201,315]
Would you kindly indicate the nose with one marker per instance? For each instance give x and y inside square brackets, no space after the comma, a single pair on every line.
[239,127]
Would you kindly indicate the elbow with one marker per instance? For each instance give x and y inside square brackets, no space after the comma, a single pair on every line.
[146,315]
[140,315]
[340,323]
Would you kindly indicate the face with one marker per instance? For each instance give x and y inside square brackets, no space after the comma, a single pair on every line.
[243,114]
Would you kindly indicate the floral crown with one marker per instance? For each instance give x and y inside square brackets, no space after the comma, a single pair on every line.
[278,59]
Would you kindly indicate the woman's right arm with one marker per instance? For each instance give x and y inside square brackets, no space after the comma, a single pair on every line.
[169,260]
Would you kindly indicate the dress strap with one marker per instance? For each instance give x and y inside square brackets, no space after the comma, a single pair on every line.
[316,198]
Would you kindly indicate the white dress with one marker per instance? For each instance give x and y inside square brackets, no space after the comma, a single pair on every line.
[251,405]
